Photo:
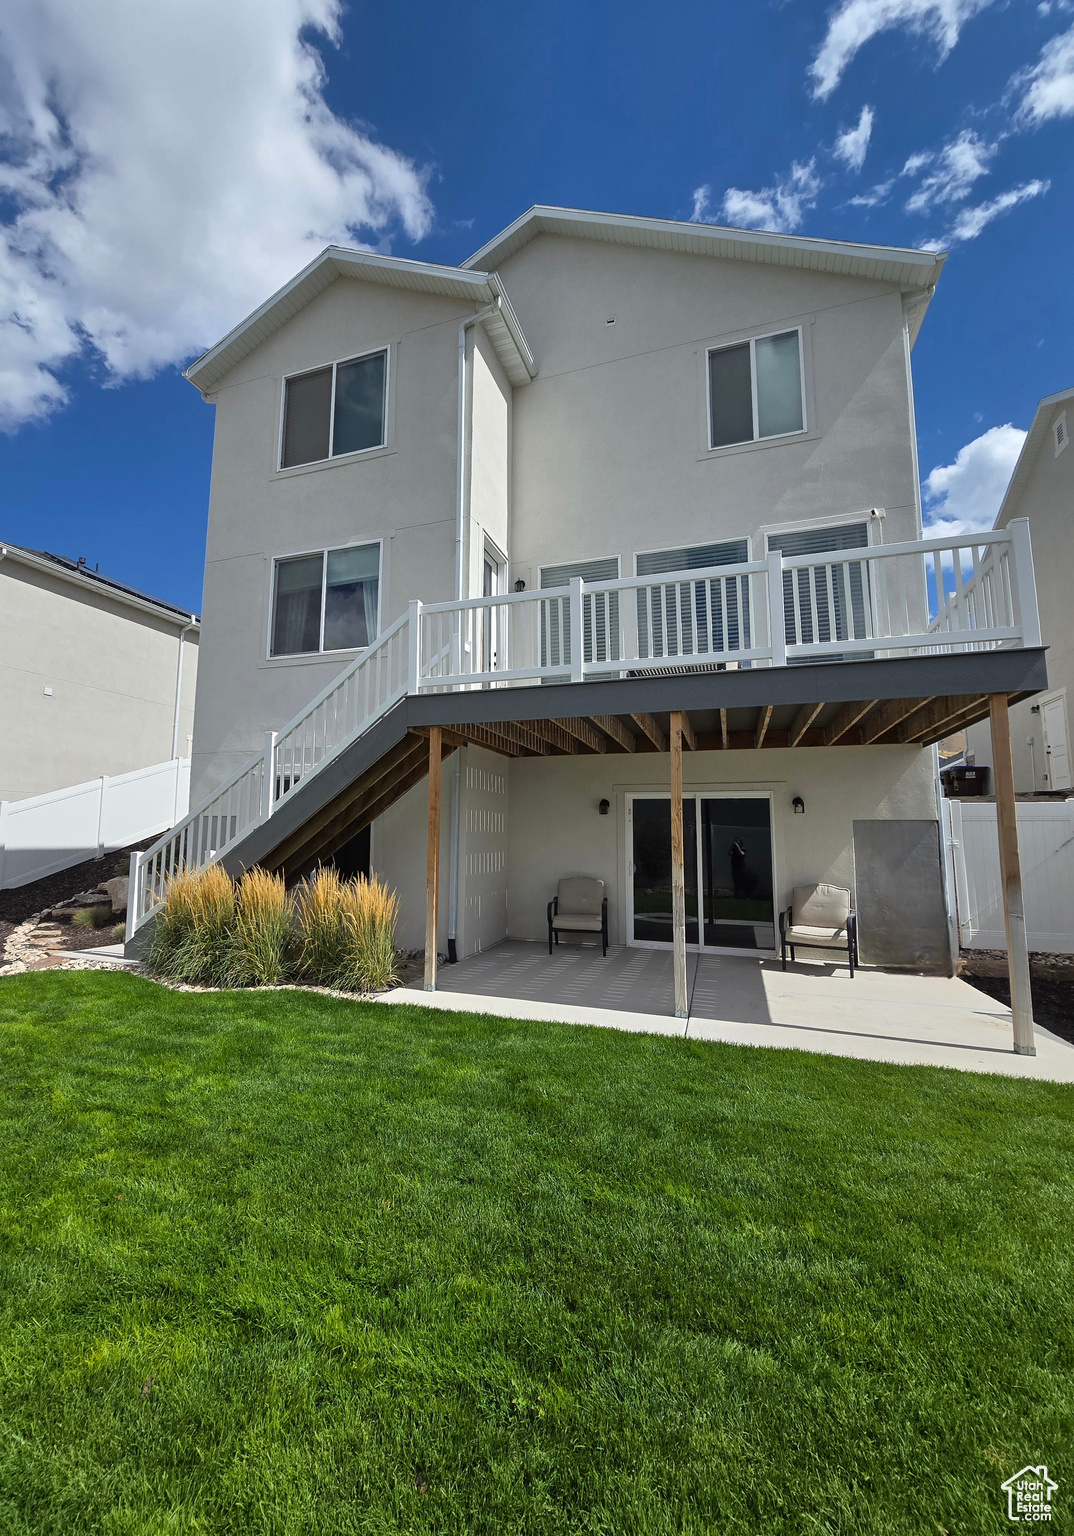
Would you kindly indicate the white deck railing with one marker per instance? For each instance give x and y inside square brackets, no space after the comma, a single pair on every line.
[873,601]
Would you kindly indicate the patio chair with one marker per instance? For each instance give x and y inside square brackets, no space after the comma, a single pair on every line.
[819,917]
[579,906]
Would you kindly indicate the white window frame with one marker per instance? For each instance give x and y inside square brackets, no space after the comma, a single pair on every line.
[726,346]
[584,560]
[356,453]
[324,552]
[660,549]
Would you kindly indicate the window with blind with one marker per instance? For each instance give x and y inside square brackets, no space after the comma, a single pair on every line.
[335,410]
[825,602]
[600,613]
[755,390]
[698,617]
[326,601]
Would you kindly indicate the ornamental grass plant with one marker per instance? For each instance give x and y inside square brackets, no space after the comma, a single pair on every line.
[330,933]
[372,911]
[264,941]
[324,930]
[192,936]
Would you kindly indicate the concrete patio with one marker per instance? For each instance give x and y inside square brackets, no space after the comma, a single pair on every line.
[878,1016]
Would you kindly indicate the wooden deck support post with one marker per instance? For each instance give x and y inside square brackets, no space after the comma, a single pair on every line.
[678,880]
[1011,876]
[432,868]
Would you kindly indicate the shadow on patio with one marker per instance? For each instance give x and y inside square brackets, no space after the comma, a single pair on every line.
[628,980]
[877,1016]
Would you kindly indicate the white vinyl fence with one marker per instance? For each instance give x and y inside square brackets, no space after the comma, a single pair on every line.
[51,832]
[1046,847]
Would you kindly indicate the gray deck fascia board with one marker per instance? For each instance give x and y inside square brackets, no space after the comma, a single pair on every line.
[335,777]
[926,677]
[1020,671]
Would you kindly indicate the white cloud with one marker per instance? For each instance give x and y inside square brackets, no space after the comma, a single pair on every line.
[971,221]
[1048,87]
[874,196]
[702,196]
[780,208]
[168,166]
[954,170]
[852,145]
[856,22]
[965,496]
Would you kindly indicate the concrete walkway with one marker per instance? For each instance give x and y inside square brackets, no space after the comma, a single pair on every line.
[877,1016]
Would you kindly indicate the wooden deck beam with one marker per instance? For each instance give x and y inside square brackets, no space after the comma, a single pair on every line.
[613,727]
[678,879]
[845,719]
[940,714]
[803,720]
[686,725]
[557,737]
[585,733]
[723,729]
[764,716]
[648,727]
[1011,875]
[432,860]
[396,763]
[333,837]
[888,716]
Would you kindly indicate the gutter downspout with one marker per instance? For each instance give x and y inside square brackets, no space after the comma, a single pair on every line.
[460,593]
[178,706]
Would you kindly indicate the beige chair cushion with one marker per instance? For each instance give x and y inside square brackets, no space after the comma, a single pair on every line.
[577,922]
[821,908]
[819,936]
[580,896]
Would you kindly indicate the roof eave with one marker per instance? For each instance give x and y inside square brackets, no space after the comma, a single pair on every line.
[206,372]
[893,263]
[92,581]
[1035,437]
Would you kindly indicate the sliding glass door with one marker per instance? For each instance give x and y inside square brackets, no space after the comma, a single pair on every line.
[727,842]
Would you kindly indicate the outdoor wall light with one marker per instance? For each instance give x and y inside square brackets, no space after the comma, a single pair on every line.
[799,805]
[604,807]
[520,585]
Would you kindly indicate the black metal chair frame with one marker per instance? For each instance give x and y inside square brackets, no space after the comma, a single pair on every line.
[554,933]
[851,945]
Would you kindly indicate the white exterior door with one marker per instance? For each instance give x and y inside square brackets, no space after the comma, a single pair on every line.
[1053,717]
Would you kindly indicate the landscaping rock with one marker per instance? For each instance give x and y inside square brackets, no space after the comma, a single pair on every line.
[116,891]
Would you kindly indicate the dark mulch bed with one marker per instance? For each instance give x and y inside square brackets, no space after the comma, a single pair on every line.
[1053,1001]
[17,905]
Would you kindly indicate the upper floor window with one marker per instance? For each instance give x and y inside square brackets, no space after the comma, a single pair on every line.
[755,389]
[326,601]
[335,410]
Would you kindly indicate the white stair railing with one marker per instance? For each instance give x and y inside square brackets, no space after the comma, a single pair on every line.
[835,605]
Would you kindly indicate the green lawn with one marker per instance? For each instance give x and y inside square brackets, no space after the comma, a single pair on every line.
[272,1262]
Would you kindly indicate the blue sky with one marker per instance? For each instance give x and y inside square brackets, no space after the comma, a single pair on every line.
[165,168]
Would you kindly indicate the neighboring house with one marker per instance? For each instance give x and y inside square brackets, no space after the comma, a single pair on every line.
[1042,490]
[532,443]
[95,678]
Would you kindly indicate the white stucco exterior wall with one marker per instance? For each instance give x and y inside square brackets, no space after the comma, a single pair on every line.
[556,828]
[1047,500]
[111,670]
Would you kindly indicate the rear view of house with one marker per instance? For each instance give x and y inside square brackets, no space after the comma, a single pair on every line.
[612,486]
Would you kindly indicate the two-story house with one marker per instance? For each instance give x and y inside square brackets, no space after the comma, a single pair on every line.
[612,486]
